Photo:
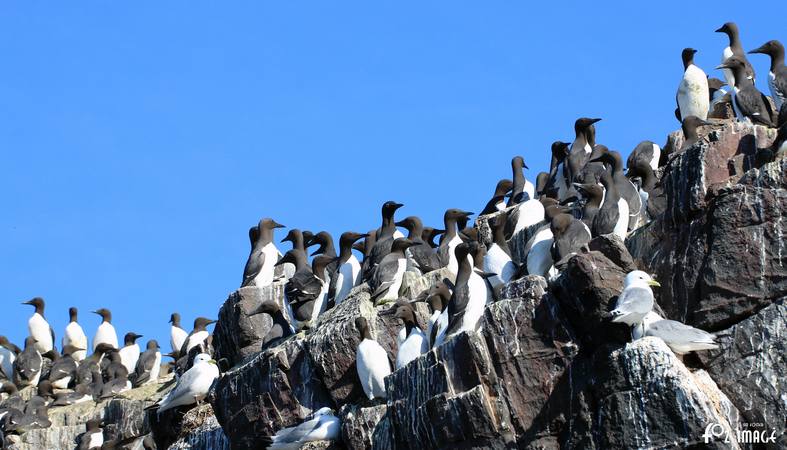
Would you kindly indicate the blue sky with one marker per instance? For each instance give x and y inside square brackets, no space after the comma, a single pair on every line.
[139,143]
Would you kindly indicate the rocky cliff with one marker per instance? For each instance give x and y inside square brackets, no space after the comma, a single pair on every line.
[547,369]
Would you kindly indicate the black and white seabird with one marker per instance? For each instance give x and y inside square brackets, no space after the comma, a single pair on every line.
[430,234]
[64,368]
[280,327]
[93,437]
[581,148]
[177,335]
[326,247]
[451,238]
[105,334]
[197,336]
[75,335]
[387,278]
[129,353]
[348,274]
[463,308]
[384,237]
[8,352]
[559,179]
[626,189]
[28,365]
[39,328]
[415,342]
[777,75]
[426,259]
[748,102]
[80,394]
[498,256]
[647,152]
[593,193]
[613,215]
[437,297]
[264,254]
[148,365]
[522,189]
[569,235]
[734,49]
[498,200]
[692,97]
[32,421]
[371,362]
[306,290]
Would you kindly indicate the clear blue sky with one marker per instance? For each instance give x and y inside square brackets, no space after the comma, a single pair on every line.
[138,143]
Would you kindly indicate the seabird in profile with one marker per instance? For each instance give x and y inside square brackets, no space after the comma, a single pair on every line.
[193,385]
[348,275]
[387,278]
[39,328]
[148,365]
[177,335]
[64,368]
[198,334]
[627,191]
[692,96]
[430,234]
[415,342]
[384,237]
[451,238]
[371,361]
[75,335]
[777,75]
[130,352]
[437,296]
[748,102]
[323,426]
[581,148]
[636,300]
[734,49]
[613,215]
[522,189]
[93,437]
[28,364]
[424,256]
[264,254]
[498,200]
[679,337]
[105,334]
[326,247]
[304,289]
[497,259]
[462,309]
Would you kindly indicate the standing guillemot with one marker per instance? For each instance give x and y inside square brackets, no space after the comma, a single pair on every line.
[177,335]
[734,49]
[497,202]
[522,189]
[613,215]
[387,277]
[348,274]
[105,333]
[280,327]
[581,148]
[777,75]
[148,365]
[264,254]
[384,237]
[28,364]
[424,255]
[415,342]
[692,97]
[498,256]
[748,102]
[75,335]
[371,362]
[625,188]
[569,236]
[129,353]
[451,238]
[39,328]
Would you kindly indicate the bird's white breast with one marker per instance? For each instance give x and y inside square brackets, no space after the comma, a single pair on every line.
[177,336]
[196,339]
[105,334]
[39,329]
[75,336]
[539,259]
[693,97]
[621,227]
[529,213]
[265,276]
[497,261]
[413,346]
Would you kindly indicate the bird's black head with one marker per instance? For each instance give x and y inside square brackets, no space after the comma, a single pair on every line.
[518,162]
[105,314]
[729,29]
[201,322]
[584,123]
[152,345]
[402,244]
[390,207]
[174,319]
[269,224]
[687,55]
[294,235]
[771,48]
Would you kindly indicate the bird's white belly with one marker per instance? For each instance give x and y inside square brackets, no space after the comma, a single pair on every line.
[413,346]
[530,213]
[265,276]
[498,262]
[373,367]
[105,335]
[393,290]
[621,227]
[693,97]
[539,258]
[75,336]
[40,330]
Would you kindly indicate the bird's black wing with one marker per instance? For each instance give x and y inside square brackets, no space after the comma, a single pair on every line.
[253,266]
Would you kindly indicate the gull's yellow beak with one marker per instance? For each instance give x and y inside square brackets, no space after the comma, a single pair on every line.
[654,283]
[212,361]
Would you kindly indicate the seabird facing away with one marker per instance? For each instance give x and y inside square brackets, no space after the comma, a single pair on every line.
[692,96]
[75,335]
[39,328]
[371,362]
[148,365]
[323,426]
[636,300]
[193,385]
[177,335]
[280,327]
[28,365]
[679,337]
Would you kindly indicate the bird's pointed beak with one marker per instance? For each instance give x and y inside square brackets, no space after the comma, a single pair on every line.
[278,225]
[212,361]
[400,223]
[654,283]
[722,66]
[720,30]
[595,120]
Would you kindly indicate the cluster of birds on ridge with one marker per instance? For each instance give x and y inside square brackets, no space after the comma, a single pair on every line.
[586,193]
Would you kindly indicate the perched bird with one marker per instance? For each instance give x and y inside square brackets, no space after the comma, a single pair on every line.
[692,96]
[8,352]
[28,364]
[430,234]
[451,238]
[348,275]
[646,152]
[384,237]
[148,365]
[613,215]
[323,426]
[679,337]
[437,296]
[467,297]
[690,126]
[559,179]
[177,335]
[193,385]
[280,328]
[636,300]
[93,437]
[626,189]
[498,256]
[263,255]
[130,352]
[372,363]
[387,278]
[425,258]
[538,260]
[569,235]
[734,49]
[105,334]
[581,148]
[522,189]
[64,368]
[306,290]
[326,248]
[75,335]
[749,103]
[29,421]
[777,75]
[39,328]
[80,394]
[415,342]
[198,334]
[498,202]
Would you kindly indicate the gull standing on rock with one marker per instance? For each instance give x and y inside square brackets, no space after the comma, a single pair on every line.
[372,363]
[75,335]
[636,300]
[193,385]
[39,328]
[679,337]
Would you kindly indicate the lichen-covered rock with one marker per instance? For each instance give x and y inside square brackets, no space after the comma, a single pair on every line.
[527,287]
[238,335]
[201,430]
[363,426]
